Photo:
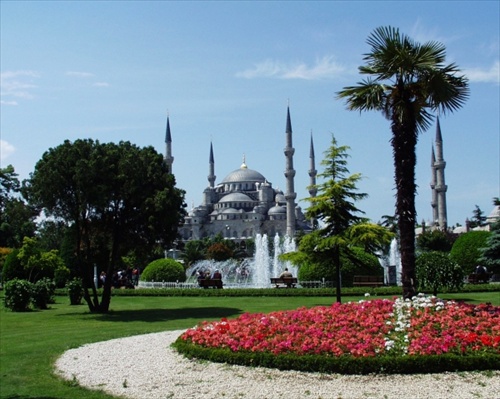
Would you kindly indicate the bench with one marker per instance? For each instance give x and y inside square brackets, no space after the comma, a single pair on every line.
[368,281]
[475,278]
[210,283]
[288,282]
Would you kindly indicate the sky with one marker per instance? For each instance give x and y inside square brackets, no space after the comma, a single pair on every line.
[225,71]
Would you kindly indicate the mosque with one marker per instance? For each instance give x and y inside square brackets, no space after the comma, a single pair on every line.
[245,203]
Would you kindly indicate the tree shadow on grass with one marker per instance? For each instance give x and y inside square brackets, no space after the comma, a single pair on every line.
[152,315]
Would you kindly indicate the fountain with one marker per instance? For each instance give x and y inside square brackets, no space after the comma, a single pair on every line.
[253,272]
[391,263]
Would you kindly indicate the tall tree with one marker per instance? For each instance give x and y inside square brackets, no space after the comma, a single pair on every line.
[334,207]
[17,219]
[478,218]
[116,197]
[407,81]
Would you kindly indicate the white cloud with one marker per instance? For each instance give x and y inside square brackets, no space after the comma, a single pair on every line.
[79,74]
[491,75]
[324,68]
[6,149]
[17,84]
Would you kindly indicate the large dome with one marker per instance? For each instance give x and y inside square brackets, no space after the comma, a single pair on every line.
[244,174]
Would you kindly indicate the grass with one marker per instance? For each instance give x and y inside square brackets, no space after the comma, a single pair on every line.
[31,342]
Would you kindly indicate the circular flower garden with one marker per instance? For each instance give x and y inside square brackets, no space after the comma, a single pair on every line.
[383,336]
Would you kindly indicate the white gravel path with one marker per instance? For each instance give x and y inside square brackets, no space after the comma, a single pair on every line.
[145,367]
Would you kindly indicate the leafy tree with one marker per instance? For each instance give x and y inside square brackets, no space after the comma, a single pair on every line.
[115,197]
[334,207]
[490,253]
[219,251]
[478,218]
[465,250]
[17,219]
[37,263]
[194,251]
[435,270]
[406,81]
[436,240]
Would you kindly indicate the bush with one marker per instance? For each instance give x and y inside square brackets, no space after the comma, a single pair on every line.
[465,250]
[435,270]
[43,293]
[61,276]
[165,269]
[13,268]
[75,291]
[18,294]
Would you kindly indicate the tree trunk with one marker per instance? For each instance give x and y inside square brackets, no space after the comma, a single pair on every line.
[404,141]
[338,285]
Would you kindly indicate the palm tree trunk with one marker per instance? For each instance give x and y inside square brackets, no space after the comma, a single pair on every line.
[404,141]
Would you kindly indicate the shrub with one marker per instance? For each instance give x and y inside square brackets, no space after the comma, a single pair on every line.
[164,269]
[61,276]
[13,268]
[18,294]
[465,250]
[75,291]
[43,293]
[435,270]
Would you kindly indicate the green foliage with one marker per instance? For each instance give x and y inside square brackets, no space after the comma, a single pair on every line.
[43,293]
[165,269]
[435,271]
[16,217]
[118,198]
[478,218]
[18,295]
[75,291]
[435,240]
[61,276]
[13,268]
[465,251]
[490,253]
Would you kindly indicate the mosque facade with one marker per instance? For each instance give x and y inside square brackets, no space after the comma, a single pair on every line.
[244,203]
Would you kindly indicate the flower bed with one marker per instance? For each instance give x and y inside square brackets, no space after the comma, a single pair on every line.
[422,335]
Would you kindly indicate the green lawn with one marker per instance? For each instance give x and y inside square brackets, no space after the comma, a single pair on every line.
[30,342]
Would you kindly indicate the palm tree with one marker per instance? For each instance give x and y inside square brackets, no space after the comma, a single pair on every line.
[407,81]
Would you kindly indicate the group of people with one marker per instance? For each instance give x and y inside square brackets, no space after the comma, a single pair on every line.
[128,278]
[206,275]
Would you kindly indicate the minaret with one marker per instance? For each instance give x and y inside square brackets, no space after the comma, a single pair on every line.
[433,189]
[169,159]
[290,194]
[211,168]
[312,171]
[441,186]
[312,174]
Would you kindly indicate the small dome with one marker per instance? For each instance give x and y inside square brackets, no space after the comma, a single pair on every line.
[235,197]
[230,210]
[276,210]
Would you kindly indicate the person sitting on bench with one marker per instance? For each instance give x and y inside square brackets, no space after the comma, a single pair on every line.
[286,273]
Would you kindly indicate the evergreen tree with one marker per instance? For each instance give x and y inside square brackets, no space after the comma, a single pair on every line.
[334,205]
[490,254]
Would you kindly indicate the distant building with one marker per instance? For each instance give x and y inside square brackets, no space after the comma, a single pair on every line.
[438,191]
[245,203]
